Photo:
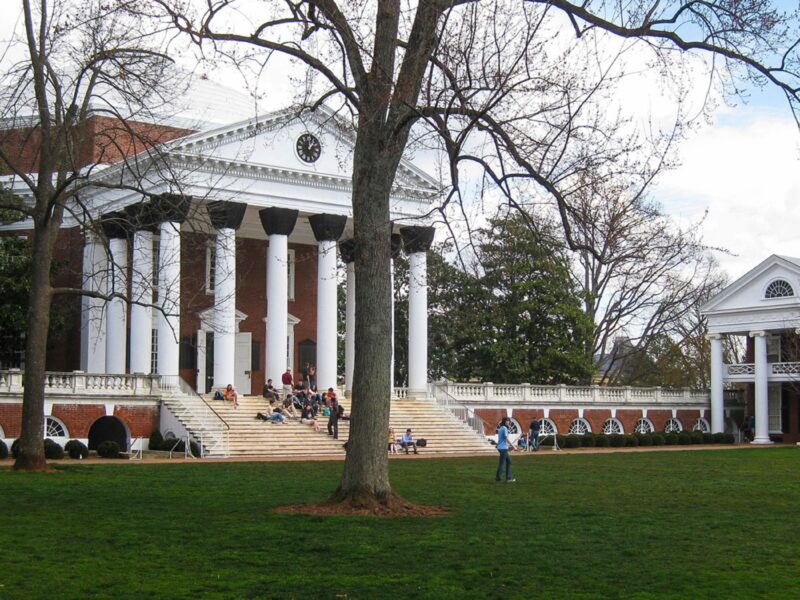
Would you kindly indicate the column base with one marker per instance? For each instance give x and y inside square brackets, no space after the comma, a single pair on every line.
[762,441]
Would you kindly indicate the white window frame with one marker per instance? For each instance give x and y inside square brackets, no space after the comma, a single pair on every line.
[58,422]
[613,423]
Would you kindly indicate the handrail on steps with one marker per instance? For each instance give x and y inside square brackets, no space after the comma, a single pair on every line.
[173,381]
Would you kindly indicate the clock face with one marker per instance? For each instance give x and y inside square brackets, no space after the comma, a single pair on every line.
[308,148]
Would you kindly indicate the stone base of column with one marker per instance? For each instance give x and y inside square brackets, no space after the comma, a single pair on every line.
[416,395]
[762,441]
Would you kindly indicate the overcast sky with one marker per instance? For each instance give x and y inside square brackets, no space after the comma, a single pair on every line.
[743,169]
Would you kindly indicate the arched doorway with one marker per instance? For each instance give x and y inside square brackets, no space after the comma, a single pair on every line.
[108,429]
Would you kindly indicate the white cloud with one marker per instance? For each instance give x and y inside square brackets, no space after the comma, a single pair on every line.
[746,173]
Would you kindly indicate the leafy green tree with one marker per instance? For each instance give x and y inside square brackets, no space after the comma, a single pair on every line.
[518,320]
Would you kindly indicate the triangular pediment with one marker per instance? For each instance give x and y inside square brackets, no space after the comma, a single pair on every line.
[269,143]
[748,292]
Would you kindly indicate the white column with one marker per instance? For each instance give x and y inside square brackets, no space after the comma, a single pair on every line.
[717,397]
[225,308]
[116,314]
[169,297]
[417,324]
[277,307]
[761,388]
[93,336]
[350,331]
[141,291]
[326,315]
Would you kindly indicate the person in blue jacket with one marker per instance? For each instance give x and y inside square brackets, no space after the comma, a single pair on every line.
[503,446]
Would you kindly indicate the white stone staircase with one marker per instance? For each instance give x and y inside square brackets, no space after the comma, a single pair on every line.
[200,419]
[251,437]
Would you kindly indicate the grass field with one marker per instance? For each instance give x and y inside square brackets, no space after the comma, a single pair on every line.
[699,524]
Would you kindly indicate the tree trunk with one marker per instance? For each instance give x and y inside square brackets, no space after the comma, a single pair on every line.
[31,445]
[365,481]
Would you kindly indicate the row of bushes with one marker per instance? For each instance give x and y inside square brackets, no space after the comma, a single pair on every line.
[74,449]
[601,440]
[159,442]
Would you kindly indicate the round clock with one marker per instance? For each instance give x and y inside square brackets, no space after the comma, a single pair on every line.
[308,148]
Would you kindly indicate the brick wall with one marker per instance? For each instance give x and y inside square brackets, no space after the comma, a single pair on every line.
[141,420]
[562,417]
[628,418]
[491,417]
[688,418]
[78,417]
[596,418]
[659,418]
[11,419]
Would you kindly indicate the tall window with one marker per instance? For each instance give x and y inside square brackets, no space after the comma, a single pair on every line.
[291,264]
[211,267]
[154,352]
[775,421]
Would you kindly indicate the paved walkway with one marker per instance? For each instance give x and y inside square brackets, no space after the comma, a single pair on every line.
[160,458]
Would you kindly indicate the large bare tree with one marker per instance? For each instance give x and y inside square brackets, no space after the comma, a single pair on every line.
[516,89]
[77,84]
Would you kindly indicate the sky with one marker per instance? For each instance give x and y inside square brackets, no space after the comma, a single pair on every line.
[740,172]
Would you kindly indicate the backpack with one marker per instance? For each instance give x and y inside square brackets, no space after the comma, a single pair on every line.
[218,395]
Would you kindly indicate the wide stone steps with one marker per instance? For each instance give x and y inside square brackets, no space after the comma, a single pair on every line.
[249,436]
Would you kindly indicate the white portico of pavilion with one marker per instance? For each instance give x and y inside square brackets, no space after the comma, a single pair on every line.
[276,181]
[763,305]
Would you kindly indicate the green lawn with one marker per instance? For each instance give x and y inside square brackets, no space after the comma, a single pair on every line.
[695,524]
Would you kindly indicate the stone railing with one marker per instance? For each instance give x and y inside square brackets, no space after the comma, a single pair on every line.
[485,393]
[78,383]
[747,371]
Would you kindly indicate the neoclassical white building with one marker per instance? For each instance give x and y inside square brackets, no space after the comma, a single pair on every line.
[764,306]
[238,247]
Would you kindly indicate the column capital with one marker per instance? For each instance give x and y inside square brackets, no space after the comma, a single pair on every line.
[347,249]
[116,225]
[278,221]
[170,208]
[327,227]
[397,245]
[142,217]
[715,336]
[417,239]
[755,334]
[226,215]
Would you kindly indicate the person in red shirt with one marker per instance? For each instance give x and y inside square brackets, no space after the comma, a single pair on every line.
[286,380]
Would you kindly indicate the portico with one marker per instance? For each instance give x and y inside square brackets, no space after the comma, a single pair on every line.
[763,307]
[248,250]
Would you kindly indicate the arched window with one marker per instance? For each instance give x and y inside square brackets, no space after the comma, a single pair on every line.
[2,433]
[780,288]
[701,425]
[548,427]
[580,427]
[613,426]
[673,426]
[644,426]
[54,428]
[514,427]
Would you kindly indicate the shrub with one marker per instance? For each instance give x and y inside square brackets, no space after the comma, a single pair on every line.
[719,438]
[697,437]
[169,442]
[52,450]
[572,441]
[546,441]
[684,438]
[15,448]
[156,439]
[671,439]
[3,450]
[617,440]
[195,447]
[658,439]
[602,441]
[562,441]
[76,449]
[708,438]
[588,440]
[631,441]
[108,449]
[728,438]
[645,439]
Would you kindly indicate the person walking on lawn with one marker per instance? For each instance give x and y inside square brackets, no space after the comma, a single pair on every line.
[503,447]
